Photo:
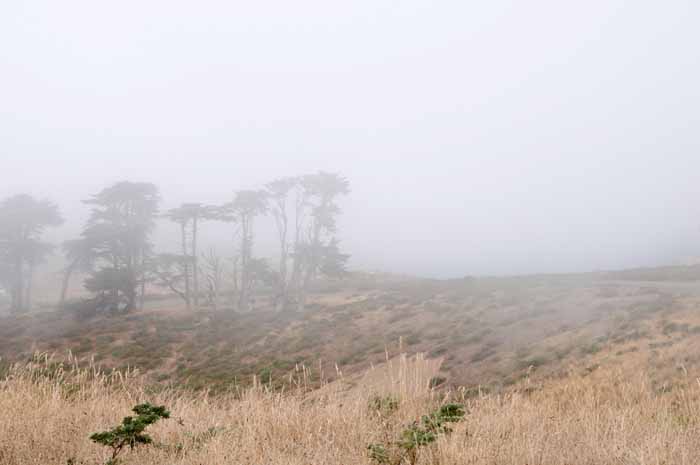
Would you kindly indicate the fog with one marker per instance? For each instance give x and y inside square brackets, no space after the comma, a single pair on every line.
[478,137]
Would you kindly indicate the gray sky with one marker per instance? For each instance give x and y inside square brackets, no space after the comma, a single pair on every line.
[479,137]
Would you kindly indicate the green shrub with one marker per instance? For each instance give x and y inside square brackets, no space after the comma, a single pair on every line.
[673,327]
[417,435]
[533,361]
[485,352]
[592,348]
[265,375]
[438,351]
[131,431]
[378,453]
[437,381]
[383,405]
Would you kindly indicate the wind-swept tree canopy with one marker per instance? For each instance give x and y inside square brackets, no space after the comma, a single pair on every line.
[114,247]
[118,238]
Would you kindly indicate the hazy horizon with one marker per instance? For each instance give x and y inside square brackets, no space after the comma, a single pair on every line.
[479,139]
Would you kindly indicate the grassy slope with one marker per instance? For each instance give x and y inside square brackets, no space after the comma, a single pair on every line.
[491,332]
[605,416]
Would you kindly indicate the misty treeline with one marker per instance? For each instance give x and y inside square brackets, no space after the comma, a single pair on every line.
[117,255]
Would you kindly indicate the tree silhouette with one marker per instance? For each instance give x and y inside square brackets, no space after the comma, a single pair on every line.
[321,192]
[279,192]
[246,206]
[171,271]
[23,220]
[118,232]
[80,256]
[188,217]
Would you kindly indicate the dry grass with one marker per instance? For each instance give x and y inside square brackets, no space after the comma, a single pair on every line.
[48,412]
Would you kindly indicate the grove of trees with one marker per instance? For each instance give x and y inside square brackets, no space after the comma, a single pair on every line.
[115,254]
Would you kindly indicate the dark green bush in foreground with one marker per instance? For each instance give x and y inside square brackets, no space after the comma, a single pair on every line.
[131,432]
[416,435]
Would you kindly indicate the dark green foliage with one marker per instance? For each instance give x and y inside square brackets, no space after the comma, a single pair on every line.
[378,453]
[418,434]
[265,375]
[131,431]
[116,242]
[532,362]
[673,327]
[427,430]
[591,349]
[383,405]
[332,261]
[437,381]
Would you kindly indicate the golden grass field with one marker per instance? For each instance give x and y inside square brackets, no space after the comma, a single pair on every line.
[48,411]
[567,370]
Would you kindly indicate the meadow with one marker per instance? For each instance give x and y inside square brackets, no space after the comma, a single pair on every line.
[49,410]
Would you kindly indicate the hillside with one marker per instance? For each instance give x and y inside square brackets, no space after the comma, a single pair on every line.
[489,333]
[48,411]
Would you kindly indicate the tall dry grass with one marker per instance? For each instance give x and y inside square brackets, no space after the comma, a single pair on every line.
[47,413]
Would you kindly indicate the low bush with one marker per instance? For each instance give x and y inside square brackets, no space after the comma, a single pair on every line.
[131,432]
[416,436]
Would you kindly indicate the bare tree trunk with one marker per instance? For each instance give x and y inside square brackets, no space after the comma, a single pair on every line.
[16,301]
[297,262]
[213,277]
[130,299]
[236,287]
[245,267]
[284,257]
[186,265]
[281,298]
[311,264]
[282,223]
[195,264]
[242,295]
[13,299]
[28,287]
[295,280]
[142,300]
[217,284]
[67,273]
[18,293]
